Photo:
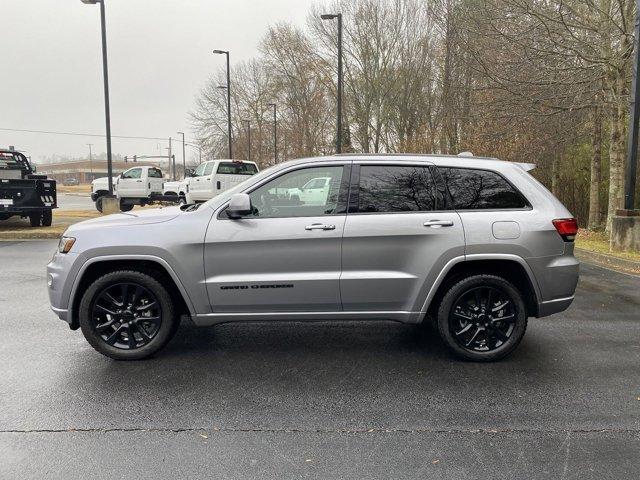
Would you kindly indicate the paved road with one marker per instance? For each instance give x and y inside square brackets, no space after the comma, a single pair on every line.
[75,202]
[366,400]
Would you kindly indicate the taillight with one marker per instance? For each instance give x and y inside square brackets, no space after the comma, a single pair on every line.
[567,228]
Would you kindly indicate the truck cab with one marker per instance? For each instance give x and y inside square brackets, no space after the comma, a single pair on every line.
[140,182]
[216,176]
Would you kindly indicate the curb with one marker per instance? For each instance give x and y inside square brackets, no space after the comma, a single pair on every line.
[608,261]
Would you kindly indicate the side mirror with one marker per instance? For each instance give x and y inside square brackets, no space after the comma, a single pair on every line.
[189,172]
[239,206]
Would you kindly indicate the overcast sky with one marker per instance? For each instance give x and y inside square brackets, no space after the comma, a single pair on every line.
[159,58]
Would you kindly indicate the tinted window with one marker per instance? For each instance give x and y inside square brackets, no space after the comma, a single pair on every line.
[208,169]
[133,173]
[200,170]
[286,197]
[155,173]
[388,188]
[474,189]
[237,168]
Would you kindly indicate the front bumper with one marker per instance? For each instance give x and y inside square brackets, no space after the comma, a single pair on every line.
[61,274]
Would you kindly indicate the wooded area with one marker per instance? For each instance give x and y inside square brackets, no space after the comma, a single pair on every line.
[535,81]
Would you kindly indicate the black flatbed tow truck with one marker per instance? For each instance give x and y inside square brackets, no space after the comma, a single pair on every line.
[23,193]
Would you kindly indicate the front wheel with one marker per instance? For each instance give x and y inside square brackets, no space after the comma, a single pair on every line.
[127,315]
[482,318]
[99,204]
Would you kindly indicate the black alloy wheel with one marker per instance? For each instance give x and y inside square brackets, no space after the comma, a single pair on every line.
[482,318]
[126,315]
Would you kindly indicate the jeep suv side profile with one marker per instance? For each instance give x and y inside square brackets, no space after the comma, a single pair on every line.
[476,244]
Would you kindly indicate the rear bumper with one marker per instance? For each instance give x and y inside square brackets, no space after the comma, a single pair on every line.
[554,306]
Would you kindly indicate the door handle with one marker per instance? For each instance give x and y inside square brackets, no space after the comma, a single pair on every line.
[438,223]
[139,181]
[320,226]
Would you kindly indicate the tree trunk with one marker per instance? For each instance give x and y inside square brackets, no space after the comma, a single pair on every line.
[617,150]
[555,175]
[596,171]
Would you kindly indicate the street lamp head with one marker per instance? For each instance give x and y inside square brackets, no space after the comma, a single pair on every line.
[328,16]
[217,51]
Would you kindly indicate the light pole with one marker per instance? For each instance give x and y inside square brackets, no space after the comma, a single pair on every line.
[634,123]
[105,75]
[275,132]
[184,161]
[226,52]
[339,114]
[248,122]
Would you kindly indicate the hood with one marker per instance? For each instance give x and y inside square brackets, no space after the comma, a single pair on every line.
[139,217]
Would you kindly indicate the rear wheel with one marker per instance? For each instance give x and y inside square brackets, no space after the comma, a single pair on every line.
[35,219]
[125,207]
[47,218]
[482,318]
[127,315]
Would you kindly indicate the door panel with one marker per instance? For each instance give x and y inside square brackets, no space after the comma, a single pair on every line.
[396,240]
[283,257]
[388,258]
[273,264]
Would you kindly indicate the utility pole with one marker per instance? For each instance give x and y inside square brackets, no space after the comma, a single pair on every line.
[248,122]
[275,132]
[174,160]
[90,159]
[339,107]
[184,161]
[226,52]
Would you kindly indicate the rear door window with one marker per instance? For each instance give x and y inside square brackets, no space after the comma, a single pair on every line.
[237,168]
[474,189]
[394,188]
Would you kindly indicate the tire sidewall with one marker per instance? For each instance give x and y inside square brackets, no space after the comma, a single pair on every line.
[459,289]
[167,326]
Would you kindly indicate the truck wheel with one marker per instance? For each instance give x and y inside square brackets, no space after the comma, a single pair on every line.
[127,315]
[47,218]
[182,200]
[99,204]
[34,219]
[125,207]
[482,318]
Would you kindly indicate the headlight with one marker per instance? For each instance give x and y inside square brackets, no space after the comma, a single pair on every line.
[65,244]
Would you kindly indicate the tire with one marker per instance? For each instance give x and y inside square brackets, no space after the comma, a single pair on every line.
[472,324]
[182,200]
[125,207]
[35,218]
[99,204]
[150,301]
[47,218]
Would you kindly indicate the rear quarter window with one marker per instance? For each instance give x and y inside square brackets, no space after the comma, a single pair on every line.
[475,189]
[236,168]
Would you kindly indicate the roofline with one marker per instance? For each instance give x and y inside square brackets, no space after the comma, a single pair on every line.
[426,155]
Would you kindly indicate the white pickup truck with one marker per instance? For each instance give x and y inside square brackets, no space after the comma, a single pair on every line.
[140,185]
[215,176]
[145,185]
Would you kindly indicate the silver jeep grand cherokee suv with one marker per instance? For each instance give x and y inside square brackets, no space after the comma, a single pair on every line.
[476,244]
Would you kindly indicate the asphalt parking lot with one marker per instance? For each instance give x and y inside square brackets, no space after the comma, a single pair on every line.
[319,400]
